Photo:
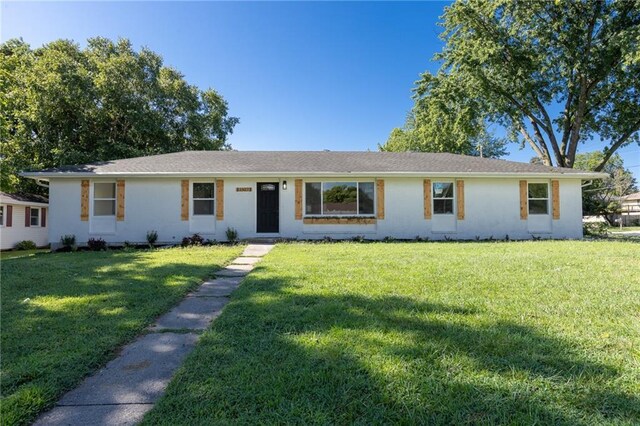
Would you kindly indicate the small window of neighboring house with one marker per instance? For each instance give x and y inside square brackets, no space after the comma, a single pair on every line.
[35,216]
[203,198]
[538,198]
[443,194]
[104,199]
[1,215]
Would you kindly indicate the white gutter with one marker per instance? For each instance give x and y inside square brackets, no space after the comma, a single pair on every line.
[71,175]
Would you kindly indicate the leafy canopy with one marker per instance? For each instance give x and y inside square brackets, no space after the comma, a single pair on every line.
[554,74]
[60,104]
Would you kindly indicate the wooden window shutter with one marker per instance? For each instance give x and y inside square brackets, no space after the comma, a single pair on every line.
[185,200]
[8,222]
[84,201]
[380,198]
[27,217]
[43,220]
[220,199]
[460,195]
[524,210]
[427,198]
[298,195]
[120,206]
[555,199]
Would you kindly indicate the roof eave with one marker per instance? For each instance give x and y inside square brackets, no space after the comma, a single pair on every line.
[56,175]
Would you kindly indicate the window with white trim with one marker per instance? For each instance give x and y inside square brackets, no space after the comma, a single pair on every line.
[443,196]
[203,198]
[34,218]
[1,215]
[339,198]
[104,199]
[538,198]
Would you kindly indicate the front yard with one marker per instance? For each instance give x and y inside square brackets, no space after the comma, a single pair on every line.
[65,314]
[431,333]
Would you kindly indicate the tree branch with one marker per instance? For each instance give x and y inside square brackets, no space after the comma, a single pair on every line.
[533,144]
[542,143]
[549,130]
[584,92]
[618,144]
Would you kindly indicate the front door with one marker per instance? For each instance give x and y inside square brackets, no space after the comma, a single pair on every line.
[268,208]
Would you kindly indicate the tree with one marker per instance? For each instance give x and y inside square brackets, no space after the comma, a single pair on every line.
[445,121]
[61,105]
[602,197]
[553,73]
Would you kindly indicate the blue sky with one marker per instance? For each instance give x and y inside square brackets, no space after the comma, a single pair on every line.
[301,76]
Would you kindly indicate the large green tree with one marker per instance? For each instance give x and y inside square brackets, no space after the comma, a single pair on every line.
[445,119]
[60,105]
[553,73]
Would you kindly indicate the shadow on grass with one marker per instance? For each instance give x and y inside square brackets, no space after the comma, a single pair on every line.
[64,315]
[278,355]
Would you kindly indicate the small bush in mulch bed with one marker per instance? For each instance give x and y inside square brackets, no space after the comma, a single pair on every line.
[193,240]
[152,237]
[97,244]
[26,245]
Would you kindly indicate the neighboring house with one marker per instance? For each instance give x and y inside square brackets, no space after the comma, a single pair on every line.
[630,209]
[310,195]
[22,217]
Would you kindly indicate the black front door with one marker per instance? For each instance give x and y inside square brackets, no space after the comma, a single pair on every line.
[268,207]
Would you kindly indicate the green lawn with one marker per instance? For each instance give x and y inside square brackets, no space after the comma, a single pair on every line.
[65,314]
[624,228]
[13,254]
[431,333]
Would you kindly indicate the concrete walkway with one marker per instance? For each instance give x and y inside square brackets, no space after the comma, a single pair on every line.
[123,391]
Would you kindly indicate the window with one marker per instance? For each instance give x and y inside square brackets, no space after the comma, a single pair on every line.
[203,198]
[1,215]
[339,198]
[104,199]
[442,197]
[35,216]
[538,198]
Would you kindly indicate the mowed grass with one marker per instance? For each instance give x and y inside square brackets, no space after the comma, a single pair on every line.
[66,314]
[5,255]
[422,333]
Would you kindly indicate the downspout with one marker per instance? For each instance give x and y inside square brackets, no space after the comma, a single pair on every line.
[587,183]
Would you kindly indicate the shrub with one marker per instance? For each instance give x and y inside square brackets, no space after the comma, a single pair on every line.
[152,237]
[26,245]
[68,242]
[194,240]
[232,235]
[595,229]
[97,244]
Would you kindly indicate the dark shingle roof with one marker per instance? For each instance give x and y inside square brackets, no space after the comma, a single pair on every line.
[306,162]
[22,198]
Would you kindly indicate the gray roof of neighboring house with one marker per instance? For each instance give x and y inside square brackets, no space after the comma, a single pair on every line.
[26,199]
[632,197]
[289,163]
